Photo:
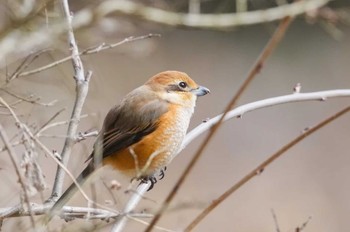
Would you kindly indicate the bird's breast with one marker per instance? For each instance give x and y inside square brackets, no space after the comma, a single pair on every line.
[157,149]
[168,137]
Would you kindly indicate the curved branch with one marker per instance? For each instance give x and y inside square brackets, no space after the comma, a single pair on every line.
[237,112]
[208,21]
[260,168]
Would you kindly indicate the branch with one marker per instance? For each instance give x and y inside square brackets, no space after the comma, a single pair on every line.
[260,168]
[27,133]
[274,101]
[208,21]
[19,175]
[82,86]
[266,52]
[132,203]
[87,51]
[303,226]
[17,41]
[30,99]
[67,212]
[274,216]
[235,113]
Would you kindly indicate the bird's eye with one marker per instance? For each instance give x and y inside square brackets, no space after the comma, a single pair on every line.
[183,84]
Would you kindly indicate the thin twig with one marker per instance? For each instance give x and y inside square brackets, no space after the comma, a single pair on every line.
[275,220]
[40,129]
[82,86]
[38,133]
[29,100]
[28,133]
[109,189]
[19,175]
[303,226]
[134,200]
[271,45]
[54,124]
[260,168]
[25,63]
[13,103]
[89,51]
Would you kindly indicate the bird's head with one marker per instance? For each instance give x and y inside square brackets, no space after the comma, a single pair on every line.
[176,87]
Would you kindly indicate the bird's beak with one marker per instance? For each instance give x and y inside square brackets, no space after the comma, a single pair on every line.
[201,91]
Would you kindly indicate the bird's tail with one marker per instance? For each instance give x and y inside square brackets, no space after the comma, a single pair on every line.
[72,189]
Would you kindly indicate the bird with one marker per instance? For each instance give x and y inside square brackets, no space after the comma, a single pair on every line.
[144,132]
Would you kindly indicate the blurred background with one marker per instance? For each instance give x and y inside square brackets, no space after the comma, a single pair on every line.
[311,180]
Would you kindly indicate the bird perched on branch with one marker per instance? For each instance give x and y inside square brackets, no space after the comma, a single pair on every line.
[142,134]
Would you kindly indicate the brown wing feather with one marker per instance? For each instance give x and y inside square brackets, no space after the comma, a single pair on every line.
[127,123]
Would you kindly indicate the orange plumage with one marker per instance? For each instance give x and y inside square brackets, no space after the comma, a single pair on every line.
[142,134]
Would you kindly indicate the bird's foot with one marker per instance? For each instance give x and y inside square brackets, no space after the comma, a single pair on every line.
[152,179]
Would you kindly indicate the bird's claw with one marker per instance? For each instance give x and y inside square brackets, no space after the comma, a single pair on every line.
[162,173]
[151,179]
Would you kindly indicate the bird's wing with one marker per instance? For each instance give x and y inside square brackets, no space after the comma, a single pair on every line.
[137,116]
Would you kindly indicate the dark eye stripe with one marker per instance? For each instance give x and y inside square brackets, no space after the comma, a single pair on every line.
[175,88]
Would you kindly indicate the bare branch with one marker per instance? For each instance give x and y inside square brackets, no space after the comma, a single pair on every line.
[274,101]
[235,113]
[28,133]
[29,99]
[89,51]
[25,63]
[19,175]
[258,170]
[134,200]
[275,220]
[54,124]
[18,42]
[41,128]
[267,51]
[68,212]
[208,21]
[83,135]
[81,92]
[303,226]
